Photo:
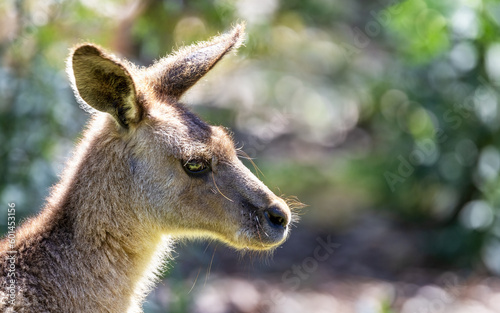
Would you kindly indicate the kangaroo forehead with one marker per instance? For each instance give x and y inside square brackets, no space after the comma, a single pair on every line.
[216,142]
[189,137]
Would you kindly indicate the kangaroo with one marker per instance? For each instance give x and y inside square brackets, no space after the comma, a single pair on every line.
[146,173]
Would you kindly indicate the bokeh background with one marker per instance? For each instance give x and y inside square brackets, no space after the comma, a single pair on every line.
[382,116]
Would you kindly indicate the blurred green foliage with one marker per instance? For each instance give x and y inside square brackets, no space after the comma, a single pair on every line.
[352,106]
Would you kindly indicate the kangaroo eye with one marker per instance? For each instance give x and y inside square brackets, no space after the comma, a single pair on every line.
[196,167]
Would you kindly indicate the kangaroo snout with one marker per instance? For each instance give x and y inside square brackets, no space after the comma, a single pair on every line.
[269,224]
[278,216]
[277,219]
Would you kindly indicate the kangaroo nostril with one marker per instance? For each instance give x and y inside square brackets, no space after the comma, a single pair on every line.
[276,217]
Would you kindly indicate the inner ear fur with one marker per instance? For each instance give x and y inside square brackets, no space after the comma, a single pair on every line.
[104,83]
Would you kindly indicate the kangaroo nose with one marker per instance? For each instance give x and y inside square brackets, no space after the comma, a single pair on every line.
[276,216]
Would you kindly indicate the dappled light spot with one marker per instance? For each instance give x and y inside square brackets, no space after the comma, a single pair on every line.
[464,56]
[238,293]
[421,30]
[428,298]
[416,120]
[486,106]
[491,255]
[465,23]
[256,11]
[420,123]
[493,62]
[477,215]
[489,163]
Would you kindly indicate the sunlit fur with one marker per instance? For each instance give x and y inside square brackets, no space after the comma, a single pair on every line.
[124,197]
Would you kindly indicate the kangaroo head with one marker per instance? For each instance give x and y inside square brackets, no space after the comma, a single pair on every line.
[185,174]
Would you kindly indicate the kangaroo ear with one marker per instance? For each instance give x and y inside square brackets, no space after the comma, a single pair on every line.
[104,83]
[175,74]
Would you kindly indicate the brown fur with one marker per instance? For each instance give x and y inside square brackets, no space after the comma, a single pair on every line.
[125,196]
